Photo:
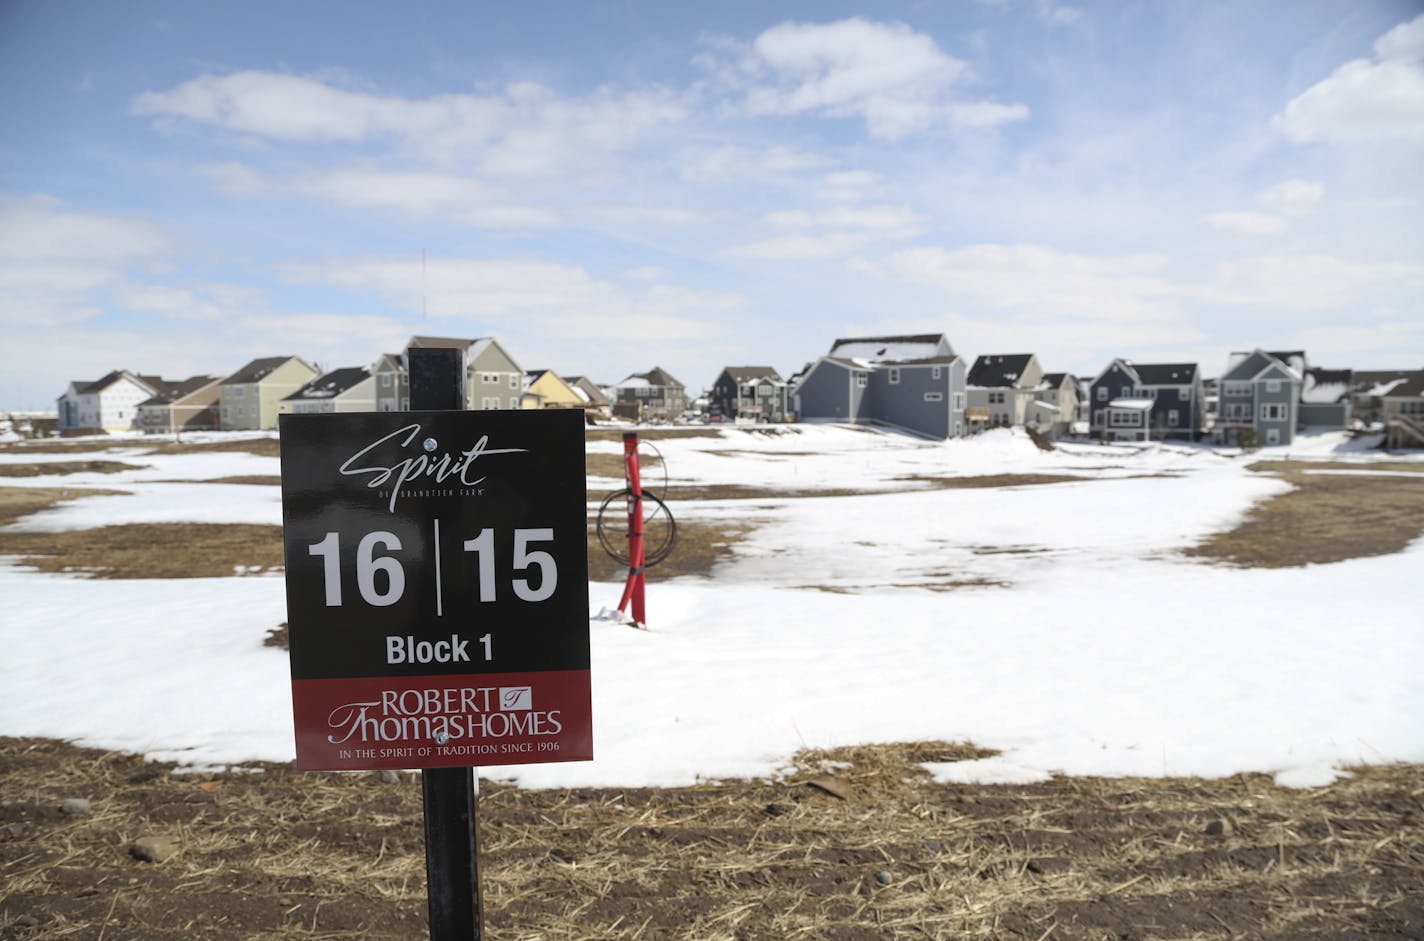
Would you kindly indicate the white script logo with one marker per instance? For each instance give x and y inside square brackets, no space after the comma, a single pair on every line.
[424,464]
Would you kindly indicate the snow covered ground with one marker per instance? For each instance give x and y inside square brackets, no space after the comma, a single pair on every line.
[1077,639]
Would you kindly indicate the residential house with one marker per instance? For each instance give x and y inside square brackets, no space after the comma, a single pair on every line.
[106,404]
[349,389]
[1404,413]
[1054,409]
[749,393]
[595,401]
[1368,389]
[250,399]
[649,396]
[914,382]
[493,380]
[392,382]
[543,388]
[1172,392]
[1259,399]
[1001,389]
[190,405]
[1325,398]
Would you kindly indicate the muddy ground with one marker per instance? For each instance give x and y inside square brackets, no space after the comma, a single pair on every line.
[853,844]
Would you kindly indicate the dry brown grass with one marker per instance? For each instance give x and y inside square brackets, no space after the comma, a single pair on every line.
[151,550]
[65,468]
[1323,518]
[854,843]
[18,502]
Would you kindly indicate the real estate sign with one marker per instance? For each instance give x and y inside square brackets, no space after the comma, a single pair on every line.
[437,588]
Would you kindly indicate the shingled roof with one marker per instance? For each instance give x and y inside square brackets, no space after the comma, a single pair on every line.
[1166,374]
[330,385]
[996,371]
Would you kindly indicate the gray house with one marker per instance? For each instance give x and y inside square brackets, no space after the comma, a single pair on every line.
[1368,389]
[750,393]
[649,396]
[915,383]
[1325,398]
[1001,389]
[1147,401]
[1260,394]
[392,381]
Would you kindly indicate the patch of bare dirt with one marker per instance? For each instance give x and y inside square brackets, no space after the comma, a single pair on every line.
[856,843]
[151,550]
[262,447]
[256,480]
[18,502]
[65,468]
[1323,518]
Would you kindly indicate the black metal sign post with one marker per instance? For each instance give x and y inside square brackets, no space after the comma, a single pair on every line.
[437,603]
[451,796]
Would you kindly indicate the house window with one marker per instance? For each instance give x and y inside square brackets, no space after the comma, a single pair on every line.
[489,378]
[1273,411]
[385,380]
[1236,388]
[934,396]
[1125,419]
[894,376]
[1102,393]
[237,392]
[514,380]
[1098,417]
[1172,419]
[958,400]
[1273,436]
[489,402]
[935,372]
[1184,394]
[1273,385]
[513,402]
[861,379]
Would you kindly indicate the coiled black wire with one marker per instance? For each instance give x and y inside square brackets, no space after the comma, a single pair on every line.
[652,555]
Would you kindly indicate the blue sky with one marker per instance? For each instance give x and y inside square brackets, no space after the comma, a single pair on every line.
[606,187]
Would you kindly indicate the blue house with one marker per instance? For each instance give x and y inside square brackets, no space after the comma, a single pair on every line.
[915,383]
[1147,402]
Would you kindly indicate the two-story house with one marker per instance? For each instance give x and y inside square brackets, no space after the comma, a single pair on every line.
[1259,399]
[250,399]
[913,382]
[1404,412]
[1001,388]
[493,380]
[1368,387]
[106,404]
[348,389]
[595,400]
[1147,401]
[543,388]
[649,396]
[190,405]
[392,383]
[1054,410]
[750,393]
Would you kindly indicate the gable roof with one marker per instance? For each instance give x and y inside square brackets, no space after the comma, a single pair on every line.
[657,376]
[1411,387]
[587,389]
[330,385]
[258,369]
[1166,374]
[439,343]
[743,373]
[178,390]
[108,379]
[999,370]
[1055,380]
[1243,367]
[1325,386]
[903,349]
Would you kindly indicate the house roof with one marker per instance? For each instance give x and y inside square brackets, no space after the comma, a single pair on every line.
[1325,386]
[439,343]
[587,389]
[257,370]
[999,370]
[743,373]
[1054,380]
[1166,374]
[1243,367]
[178,390]
[330,385]
[907,348]
[108,379]
[1412,387]
[657,376]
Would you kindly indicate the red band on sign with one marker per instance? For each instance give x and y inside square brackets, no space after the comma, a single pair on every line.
[460,721]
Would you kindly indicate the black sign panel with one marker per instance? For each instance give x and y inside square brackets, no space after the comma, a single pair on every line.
[449,549]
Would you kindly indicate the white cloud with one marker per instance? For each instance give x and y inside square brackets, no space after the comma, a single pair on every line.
[828,233]
[742,164]
[847,186]
[1366,101]
[897,79]
[526,296]
[1314,282]
[52,260]
[527,131]
[178,303]
[1244,223]
[1292,196]
[1040,280]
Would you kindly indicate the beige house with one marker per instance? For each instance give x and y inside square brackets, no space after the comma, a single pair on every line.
[249,399]
[190,405]
[493,380]
[1002,390]
[544,389]
[588,391]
